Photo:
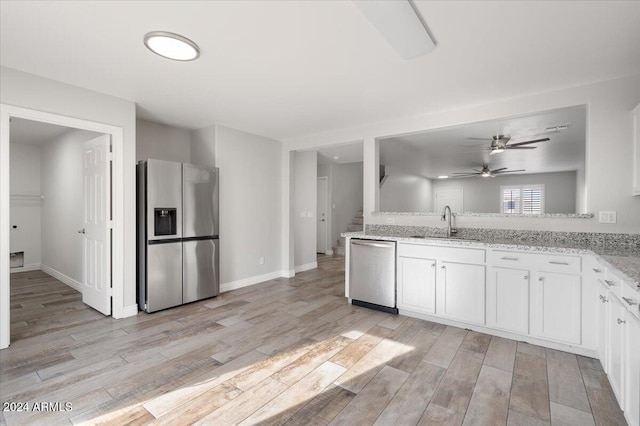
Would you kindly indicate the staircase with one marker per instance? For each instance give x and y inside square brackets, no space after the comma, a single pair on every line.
[357,224]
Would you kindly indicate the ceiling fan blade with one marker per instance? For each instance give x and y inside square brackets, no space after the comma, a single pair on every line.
[520,147]
[499,170]
[509,171]
[479,139]
[528,142]
[462,174]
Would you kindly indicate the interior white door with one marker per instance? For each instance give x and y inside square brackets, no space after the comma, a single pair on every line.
[451,197]
[321,227]
[96,268]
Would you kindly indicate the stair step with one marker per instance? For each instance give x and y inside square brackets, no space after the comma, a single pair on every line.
[354,228]
[359,214]
[357,221]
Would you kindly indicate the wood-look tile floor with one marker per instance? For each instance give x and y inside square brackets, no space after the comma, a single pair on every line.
[288,351]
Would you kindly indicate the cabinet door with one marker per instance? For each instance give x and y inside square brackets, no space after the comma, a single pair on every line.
[616,347]
[508,299]
[556,302]
[461,292]
[417,284]
[603,324]
[632,369]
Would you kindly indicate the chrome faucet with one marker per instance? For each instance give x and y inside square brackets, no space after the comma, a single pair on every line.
[450,230]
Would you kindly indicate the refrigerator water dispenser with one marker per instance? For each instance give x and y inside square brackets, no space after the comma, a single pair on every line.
[165,221]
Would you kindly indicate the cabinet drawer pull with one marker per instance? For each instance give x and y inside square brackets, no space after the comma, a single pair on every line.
[540,278]
[621,321]
[509,258]
[433,265]
[629,301]
[597,271]
[443,267]
[553,262]
[526,277]
[610,283]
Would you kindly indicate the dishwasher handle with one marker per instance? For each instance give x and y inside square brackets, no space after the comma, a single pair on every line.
[371,244]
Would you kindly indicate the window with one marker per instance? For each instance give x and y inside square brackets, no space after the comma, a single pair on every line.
[522,199]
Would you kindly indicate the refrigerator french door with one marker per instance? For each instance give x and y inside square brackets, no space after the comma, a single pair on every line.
[200,247]
[178,245]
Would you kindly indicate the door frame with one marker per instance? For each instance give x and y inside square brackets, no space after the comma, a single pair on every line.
[117,205]
[327,247]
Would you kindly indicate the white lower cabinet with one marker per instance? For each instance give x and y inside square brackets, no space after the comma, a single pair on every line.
[417,284]
[616,348]
[556,302]
[461,292]
[603,323]
[632,369]
[508,299]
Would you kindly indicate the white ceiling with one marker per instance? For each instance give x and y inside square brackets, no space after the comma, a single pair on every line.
[288,68]
[33,132]
[449,150]
[347,153]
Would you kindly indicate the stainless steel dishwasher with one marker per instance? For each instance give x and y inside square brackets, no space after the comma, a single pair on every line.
[372,274]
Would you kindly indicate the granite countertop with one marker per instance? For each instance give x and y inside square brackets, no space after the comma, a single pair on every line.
[624,259]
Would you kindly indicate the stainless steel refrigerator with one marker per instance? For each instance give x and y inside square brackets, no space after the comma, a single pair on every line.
[178,234]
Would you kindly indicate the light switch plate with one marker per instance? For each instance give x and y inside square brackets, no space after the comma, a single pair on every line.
[607,217]
[391,220]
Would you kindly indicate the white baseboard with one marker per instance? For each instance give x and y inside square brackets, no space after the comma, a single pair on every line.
[62,277]
[26,268]
[127,311]
[328,253]
[306,267]
[245,282]
[288,274]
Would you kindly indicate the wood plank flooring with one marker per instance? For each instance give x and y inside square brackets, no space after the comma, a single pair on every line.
[284,352]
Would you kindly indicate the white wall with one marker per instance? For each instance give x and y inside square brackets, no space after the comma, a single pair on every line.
[609,152]
[346,196]
[37,93]
[250,200]
[482,195]
[405,192]
[162,142]
[25,211]
[305,200]
[62,205]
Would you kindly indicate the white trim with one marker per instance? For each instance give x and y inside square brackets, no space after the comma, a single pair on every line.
[288,274]
[76,285]
[117,188]
[580,350]
[306,267]
[128,311]
[328,253]
[26,268]
[245,282]
[327,209]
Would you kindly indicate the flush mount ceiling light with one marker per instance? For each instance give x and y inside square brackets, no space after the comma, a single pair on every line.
[400,24]
[171,46]
[443,177]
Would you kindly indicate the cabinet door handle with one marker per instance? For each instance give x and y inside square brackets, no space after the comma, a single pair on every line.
[509,258]
[443,267]
[610,283]
[596,270]
[540,278]
[621,321]
[526,277]
[629,301]
[553,262]
[604,300]
[433,265]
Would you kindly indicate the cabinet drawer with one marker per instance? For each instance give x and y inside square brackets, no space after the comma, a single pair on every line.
[631,299]
[543,262]
[454,254]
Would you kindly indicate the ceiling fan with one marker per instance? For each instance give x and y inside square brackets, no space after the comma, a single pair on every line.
[500,143]
[486,172]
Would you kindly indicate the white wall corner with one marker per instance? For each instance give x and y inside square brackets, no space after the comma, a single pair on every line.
[245,282]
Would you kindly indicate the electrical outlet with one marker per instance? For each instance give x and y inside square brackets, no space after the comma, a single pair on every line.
[261,260]
[607,217]
[391,220]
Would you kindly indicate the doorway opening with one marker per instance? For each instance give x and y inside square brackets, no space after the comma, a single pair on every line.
[64,212]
